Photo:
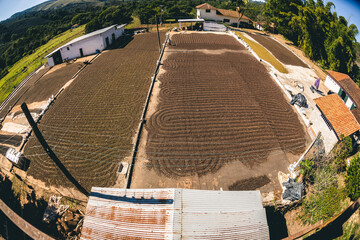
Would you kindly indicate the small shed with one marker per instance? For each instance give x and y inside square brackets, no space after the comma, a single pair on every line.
[345,87]
[333,119]
[86,45]
[174,213]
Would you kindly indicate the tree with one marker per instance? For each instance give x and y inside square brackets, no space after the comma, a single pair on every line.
[352,178]
[241,7]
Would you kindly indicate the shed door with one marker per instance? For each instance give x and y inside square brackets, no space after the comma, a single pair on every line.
[107,42]
[81,52]
[57,57]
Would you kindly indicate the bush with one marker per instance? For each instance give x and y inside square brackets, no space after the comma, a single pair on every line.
[352,178]
[342,152]
[325,198]
[307,169]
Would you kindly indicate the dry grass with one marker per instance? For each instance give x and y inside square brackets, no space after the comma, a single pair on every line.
[263,53]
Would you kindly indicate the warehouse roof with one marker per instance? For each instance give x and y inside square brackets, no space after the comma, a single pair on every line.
[337,113]
[174,213]
[346,83]
[97,32]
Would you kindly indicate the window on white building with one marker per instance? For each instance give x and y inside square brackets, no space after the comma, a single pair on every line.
[226,20]
[207,10]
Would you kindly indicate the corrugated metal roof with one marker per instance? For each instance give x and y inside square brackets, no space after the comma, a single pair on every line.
[174,214]
[97,32]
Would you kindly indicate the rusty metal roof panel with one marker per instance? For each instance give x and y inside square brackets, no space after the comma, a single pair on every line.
[174,214]
[127,214]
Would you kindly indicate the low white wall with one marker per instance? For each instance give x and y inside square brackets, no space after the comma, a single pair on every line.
[319,125]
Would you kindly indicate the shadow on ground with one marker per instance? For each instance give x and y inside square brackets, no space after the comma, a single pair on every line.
[277,224]
[31,211]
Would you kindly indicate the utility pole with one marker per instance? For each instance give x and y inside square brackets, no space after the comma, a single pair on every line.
[157,28]
[48,150]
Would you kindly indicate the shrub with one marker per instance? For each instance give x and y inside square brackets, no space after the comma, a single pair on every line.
[307,169]
[325,198]
[342,152]
[352,178]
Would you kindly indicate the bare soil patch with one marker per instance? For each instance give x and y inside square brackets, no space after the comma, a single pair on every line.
[217,108]
[250,183]
[279,51]
[91,125]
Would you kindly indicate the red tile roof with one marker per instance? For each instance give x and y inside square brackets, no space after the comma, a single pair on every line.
[356,113]
[346,83]
[224,12]
[337,75]
[206,6]
[339,116]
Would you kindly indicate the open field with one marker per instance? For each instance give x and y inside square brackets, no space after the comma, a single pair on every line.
[28,64]
[219,119]
[91,125]
[278,50]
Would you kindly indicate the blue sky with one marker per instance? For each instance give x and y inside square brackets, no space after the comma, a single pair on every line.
[350,9]
[9,7]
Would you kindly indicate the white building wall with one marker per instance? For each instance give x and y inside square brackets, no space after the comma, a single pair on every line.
[88,45]
[319,125]
[50,61]
[259,27]
[201,13]
[331,84]
[349,103]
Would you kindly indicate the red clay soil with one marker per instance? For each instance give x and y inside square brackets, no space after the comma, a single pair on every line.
[279,51]
[216,108]
[91,125]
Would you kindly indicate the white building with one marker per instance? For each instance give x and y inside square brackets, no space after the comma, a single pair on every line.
[333,119]
[174,213]
[259,26]
[208,12]
[86,45]
[345,87]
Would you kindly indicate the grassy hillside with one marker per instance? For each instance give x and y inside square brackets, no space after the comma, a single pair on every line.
[57,4]
[27,64]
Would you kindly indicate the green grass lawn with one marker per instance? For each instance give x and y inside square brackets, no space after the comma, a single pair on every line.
[22,68]
[134,24]
[263,53]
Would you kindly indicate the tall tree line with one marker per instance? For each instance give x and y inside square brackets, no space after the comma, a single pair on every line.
[316,28]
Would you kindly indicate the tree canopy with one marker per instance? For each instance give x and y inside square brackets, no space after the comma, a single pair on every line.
[318,31]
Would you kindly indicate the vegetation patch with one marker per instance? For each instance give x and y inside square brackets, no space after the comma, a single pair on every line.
[21,69]
[263,53]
